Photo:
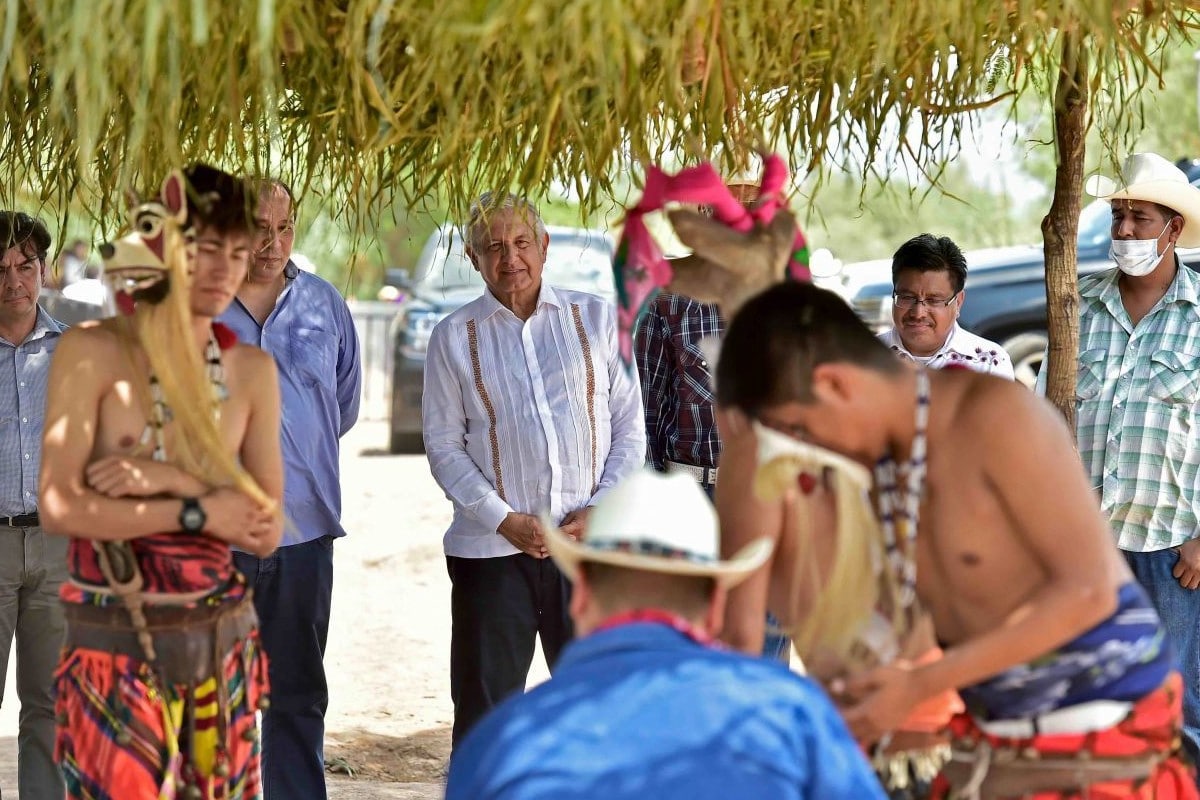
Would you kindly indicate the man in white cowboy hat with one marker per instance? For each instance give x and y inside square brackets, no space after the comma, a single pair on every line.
[1137,396]
[677,391]
[643,704]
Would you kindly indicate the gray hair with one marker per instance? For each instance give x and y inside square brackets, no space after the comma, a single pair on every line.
[489,203]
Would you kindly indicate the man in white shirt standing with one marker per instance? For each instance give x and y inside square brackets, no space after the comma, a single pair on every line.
[928,276]
[527,409]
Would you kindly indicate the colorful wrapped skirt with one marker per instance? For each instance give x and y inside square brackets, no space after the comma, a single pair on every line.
[183,726]
[1137,758]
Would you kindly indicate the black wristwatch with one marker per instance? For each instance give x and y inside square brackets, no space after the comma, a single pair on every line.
[192,516]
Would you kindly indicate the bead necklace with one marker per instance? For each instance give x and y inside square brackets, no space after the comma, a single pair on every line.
[160,413]
[906,504]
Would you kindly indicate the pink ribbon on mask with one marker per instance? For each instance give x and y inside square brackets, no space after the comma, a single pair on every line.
[639,269]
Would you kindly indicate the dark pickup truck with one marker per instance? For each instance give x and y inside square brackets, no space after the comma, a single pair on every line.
[1005,292]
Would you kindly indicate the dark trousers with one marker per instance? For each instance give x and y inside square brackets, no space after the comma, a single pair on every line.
[497,608]
[292,593]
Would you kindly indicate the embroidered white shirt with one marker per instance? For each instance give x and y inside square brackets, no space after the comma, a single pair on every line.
[534,416]
[961,347]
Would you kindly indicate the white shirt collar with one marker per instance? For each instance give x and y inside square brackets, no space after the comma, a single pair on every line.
[546,296]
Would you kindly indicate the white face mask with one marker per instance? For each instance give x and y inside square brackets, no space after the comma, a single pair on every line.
[1136,257]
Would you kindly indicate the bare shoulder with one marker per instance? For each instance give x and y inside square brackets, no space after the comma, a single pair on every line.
[93,341]
[993,409]
[248,365]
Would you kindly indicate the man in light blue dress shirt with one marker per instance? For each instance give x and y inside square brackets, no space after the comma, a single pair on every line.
[305,324]
[32,564]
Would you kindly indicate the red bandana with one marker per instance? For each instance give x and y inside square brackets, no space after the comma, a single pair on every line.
[661,617]
[225,336]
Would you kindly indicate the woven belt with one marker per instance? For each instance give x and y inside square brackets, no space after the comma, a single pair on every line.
[706,475]
[21,521]
[190,642]
[983,773]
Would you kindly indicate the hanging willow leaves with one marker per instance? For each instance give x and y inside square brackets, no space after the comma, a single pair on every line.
[373,102]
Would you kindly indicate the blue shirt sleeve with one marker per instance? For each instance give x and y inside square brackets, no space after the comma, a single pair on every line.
[349,369]
[838,766]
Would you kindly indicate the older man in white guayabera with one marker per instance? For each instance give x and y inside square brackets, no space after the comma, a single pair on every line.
[527,408]
[929,274]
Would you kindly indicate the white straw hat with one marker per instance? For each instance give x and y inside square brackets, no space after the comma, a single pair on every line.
[658,523]
[1151,178]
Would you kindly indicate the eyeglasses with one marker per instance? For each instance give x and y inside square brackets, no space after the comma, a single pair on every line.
[904,301]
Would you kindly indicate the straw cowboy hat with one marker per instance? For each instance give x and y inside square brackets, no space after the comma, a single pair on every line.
[1150,177]
[657,523]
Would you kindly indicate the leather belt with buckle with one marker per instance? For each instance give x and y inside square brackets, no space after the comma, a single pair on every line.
[706,475]
[21,521]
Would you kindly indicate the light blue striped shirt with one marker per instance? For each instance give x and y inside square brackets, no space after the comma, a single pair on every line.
[1137,409]
[26,369]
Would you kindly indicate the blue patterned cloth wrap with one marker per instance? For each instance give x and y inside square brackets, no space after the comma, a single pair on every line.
[1125,657]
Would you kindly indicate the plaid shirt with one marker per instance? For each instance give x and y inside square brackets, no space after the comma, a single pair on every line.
[677,392]
[1138,410]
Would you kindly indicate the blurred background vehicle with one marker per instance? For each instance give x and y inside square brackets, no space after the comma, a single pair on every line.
[71,310]
[444,279]
[1005,290]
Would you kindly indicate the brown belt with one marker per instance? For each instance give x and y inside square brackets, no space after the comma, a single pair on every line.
[190,643]
[986,773]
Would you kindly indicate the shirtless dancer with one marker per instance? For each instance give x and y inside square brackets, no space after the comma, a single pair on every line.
[1037,611]
[162,446]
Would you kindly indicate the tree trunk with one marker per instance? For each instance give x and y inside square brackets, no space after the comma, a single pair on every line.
[1060,228]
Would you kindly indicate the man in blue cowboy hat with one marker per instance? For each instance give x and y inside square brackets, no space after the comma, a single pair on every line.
[644,704]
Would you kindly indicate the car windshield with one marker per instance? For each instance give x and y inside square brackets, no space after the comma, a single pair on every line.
[1095,224]
[579,260]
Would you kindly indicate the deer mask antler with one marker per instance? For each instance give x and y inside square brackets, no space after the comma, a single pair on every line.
[740,250]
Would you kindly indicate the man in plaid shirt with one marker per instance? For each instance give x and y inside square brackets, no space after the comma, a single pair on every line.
[681,428]
[677,393]
[1138,397]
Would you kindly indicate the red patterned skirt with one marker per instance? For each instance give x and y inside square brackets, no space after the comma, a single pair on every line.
[1149,734]
[130,729]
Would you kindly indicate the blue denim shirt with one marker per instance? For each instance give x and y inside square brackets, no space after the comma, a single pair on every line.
[24,370]
[311,335]
[642,711]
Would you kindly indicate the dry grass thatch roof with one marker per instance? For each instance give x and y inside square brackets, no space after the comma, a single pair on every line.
[379,100]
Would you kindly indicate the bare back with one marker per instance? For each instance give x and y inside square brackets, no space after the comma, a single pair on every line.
[1010,535]
[1007,507]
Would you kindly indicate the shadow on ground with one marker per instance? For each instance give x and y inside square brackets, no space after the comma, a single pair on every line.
[421,757]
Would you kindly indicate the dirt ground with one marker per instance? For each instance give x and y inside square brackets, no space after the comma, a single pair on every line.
[388,726]
[389,643]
